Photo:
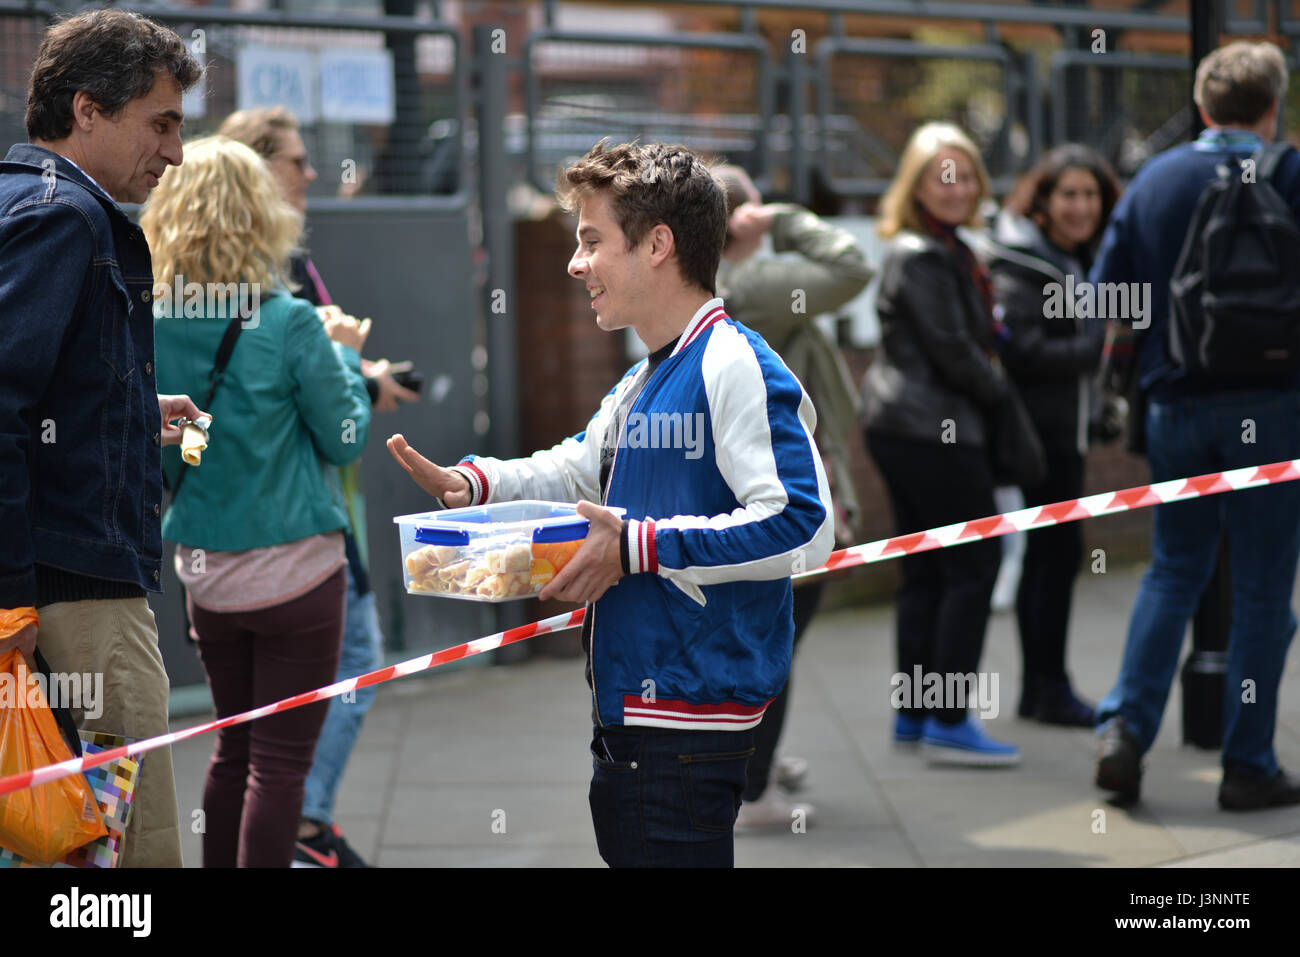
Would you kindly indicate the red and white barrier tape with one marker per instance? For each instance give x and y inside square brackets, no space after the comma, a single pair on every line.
[1039,516]
[52,772]
[1072,510]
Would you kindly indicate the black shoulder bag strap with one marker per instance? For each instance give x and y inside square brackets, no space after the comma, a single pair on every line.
[62,716]
[218,373]
[1268,158]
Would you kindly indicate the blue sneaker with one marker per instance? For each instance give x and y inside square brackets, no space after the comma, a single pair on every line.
[965,744]
[907,731]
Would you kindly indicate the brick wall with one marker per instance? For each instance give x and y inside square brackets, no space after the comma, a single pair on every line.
[566,363]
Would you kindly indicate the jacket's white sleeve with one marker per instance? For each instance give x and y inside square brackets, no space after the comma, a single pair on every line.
[568,472]
[763,424]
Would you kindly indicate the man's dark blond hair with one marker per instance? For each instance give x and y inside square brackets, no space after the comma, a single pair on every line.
[1238,83]
[262,129]
[654,183]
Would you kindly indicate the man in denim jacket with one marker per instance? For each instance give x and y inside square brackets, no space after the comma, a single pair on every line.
[81,423]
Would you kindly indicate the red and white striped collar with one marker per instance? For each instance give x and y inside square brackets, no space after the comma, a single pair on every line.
[709,313]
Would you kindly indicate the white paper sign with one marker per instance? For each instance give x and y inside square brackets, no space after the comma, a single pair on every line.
[194,101]
[356,86]
[278,76]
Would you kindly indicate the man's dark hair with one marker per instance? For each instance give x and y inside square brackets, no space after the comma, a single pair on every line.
[651,184]
[1030,194]
[111,55]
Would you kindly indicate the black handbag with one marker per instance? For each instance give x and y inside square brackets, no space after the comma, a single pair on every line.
[1014,447]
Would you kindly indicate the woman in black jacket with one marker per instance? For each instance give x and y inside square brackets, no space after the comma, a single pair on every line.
[928,400]
[1043,245]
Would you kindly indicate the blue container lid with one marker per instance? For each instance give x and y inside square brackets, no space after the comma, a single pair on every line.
[543,522]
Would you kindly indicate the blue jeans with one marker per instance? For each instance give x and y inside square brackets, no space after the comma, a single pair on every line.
[362,642]
[1190,436]
[667,800]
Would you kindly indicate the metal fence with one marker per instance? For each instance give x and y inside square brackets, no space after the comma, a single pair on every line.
[871,95]
[846,108]
[380,156]
[1127,106]
[20,37]
[831,118]
[714,92]
[394,152]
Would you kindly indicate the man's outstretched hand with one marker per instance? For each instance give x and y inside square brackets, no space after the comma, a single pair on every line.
[172,407]
[439,482]
[598,564]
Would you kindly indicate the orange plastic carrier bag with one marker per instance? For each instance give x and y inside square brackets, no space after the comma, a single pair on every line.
[46,822]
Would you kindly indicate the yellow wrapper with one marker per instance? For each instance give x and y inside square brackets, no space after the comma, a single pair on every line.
[193,441]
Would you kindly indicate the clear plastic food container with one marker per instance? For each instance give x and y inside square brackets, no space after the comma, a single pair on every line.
[493,553]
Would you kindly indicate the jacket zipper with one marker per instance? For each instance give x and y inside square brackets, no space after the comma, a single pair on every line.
[604,501]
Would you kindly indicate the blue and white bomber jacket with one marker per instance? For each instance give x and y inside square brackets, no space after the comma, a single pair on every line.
[726,498]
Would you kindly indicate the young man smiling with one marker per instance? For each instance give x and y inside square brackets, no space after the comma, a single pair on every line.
[688,631]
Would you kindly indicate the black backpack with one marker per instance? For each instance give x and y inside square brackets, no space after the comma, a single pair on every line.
[1234,298]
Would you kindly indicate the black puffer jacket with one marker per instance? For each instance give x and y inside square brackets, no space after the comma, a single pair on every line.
[1050,353]
[936,337]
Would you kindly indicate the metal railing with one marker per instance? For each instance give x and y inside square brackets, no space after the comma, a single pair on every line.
[397,162]
[658,107]
[398,157]
[796,121]
[870,142]
[976,11]
[1142,125]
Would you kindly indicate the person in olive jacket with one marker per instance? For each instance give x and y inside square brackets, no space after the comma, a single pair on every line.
[259,522]
[929,400]
[822,269]
[1040,253]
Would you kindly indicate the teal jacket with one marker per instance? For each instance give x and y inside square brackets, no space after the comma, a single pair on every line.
[291,403]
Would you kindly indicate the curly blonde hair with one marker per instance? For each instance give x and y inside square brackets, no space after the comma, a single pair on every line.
[219,217]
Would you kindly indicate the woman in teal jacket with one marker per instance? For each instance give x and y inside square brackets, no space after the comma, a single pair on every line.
[258,524]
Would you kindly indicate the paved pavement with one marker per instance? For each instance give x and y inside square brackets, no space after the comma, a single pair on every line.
[488,766]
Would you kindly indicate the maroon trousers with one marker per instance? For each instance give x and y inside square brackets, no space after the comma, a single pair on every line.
[253,795]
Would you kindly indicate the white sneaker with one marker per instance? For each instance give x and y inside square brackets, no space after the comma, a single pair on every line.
[772,811]
[789,772]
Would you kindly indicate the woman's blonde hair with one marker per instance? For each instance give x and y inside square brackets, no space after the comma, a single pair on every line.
[220,217]
[263,128]
[898,209]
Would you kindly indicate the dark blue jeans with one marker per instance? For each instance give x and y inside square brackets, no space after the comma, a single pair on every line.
[667,800]
[1191,436]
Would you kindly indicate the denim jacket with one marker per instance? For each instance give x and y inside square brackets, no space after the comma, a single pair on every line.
[80,479]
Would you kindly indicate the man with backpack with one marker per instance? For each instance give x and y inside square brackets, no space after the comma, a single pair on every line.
[1212,227]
